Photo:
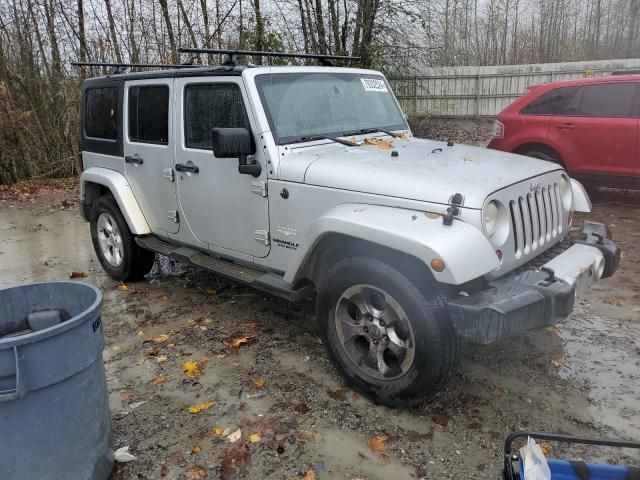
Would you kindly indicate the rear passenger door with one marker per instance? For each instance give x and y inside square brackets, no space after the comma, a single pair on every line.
[596,133]
[149,151]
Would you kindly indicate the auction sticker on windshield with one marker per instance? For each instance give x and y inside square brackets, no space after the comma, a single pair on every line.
[373,85]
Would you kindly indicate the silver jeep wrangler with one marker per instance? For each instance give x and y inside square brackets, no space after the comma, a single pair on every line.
[307,181]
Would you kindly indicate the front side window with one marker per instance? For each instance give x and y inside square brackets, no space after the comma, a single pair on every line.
[100,113]
[550,102]
[149,114]
[209,106]
[613,100]
[300,106]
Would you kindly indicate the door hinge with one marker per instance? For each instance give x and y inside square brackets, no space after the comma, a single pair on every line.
[168,174]
[262,236]
[259,187]
[173,215]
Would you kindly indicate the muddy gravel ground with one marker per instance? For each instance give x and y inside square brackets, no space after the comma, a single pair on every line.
[268,403]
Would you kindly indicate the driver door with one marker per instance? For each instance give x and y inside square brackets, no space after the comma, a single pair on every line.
[223,208]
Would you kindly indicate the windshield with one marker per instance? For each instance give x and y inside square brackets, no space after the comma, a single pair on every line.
[301,106]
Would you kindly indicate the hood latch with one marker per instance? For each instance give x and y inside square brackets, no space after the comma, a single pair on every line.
[456,201]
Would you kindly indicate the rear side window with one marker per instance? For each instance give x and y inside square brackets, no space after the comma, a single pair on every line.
[101,113]
[149,114]
[209,106]
[606,100]
[550,103]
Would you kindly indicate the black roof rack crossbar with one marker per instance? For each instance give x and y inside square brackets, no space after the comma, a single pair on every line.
[121,67]
[233,55]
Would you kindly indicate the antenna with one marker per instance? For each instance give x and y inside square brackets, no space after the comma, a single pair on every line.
[233,55]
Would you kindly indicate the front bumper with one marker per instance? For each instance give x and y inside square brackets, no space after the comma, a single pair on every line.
[536,297]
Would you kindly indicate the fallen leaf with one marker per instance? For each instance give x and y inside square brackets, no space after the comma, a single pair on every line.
[235,341]
[122,455]
[219,356]
[123,287]
[377,444]
[200,407]
[192,369]
[259,382]
[255,437]
[558,361]
[220,431]
[378,142]
[496,391]
[195,473]
[545,447]
[210,291]
[618,302]
[252,325]
[77,275]
[159,379]
[310,475]
[163,298]
[196,450]
[235,436]
[163,337]
[234,461]
[161,358]
[164,470]
[441,420]
[474,426]
[553,330]
[127,394]
[140,333]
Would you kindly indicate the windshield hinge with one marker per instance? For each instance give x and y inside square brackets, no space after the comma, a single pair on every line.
[262,236]
[259,187]
[456,201]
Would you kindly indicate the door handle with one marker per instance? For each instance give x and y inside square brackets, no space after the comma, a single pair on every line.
[566,126]
[187,168]
[135,159]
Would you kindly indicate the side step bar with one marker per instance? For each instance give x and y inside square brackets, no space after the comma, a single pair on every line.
[265,281]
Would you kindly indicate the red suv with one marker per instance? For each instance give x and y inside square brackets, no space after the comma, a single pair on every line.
[589,126]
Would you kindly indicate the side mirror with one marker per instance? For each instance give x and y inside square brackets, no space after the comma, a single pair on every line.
[235,143]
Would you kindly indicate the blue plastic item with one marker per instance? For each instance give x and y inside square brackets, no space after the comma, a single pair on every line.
[562,470]
[55,422]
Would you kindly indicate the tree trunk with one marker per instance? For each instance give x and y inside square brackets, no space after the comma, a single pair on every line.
[167,19]
[112,32]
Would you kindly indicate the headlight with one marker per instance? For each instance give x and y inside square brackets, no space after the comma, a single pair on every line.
[565,192]
[491,217]
[496,222]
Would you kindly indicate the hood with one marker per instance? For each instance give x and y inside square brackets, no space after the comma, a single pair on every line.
[419,171]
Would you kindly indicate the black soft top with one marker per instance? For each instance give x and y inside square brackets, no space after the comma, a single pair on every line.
[169,73]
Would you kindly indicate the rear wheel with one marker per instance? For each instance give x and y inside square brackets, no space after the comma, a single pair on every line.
[114,244]
[388,335]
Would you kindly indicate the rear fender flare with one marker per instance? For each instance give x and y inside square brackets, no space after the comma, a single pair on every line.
[465,250]
[121,191]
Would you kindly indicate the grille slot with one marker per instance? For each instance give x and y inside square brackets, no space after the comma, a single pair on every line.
[537,219]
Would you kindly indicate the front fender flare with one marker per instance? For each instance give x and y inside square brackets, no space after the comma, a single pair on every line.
[465,250]
[122,193]
[581,201]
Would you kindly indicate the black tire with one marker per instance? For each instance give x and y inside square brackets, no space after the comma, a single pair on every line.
[544,155]
[135,262]
[438,350]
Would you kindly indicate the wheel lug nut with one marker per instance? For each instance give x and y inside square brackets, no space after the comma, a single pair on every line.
[382,323]
[385,338]
[366,329]
[368,316]
[375,341]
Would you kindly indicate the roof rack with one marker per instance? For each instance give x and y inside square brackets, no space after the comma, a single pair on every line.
[122,67]
[233,55]
[625,72]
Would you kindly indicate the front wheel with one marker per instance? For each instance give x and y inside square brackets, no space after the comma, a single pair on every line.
[389,336]
[114,244]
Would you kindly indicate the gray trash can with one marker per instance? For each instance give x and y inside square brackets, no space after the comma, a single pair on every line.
[54,411]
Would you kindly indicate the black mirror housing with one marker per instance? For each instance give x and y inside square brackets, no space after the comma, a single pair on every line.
[232,143]
[236,143]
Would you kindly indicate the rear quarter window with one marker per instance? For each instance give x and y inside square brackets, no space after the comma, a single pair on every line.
[551,102]
[101,113]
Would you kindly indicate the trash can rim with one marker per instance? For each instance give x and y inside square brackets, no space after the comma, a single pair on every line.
[56,329]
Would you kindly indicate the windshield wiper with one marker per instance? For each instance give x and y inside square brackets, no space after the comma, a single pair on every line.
[311,138]
[381,130]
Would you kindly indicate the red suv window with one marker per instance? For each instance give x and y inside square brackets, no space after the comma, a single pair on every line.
[611,100]
[551,102]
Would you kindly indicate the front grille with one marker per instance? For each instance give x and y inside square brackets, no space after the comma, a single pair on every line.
[538,219]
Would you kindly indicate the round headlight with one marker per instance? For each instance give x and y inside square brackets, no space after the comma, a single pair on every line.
[496,222]
[565,192]
[491,212]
